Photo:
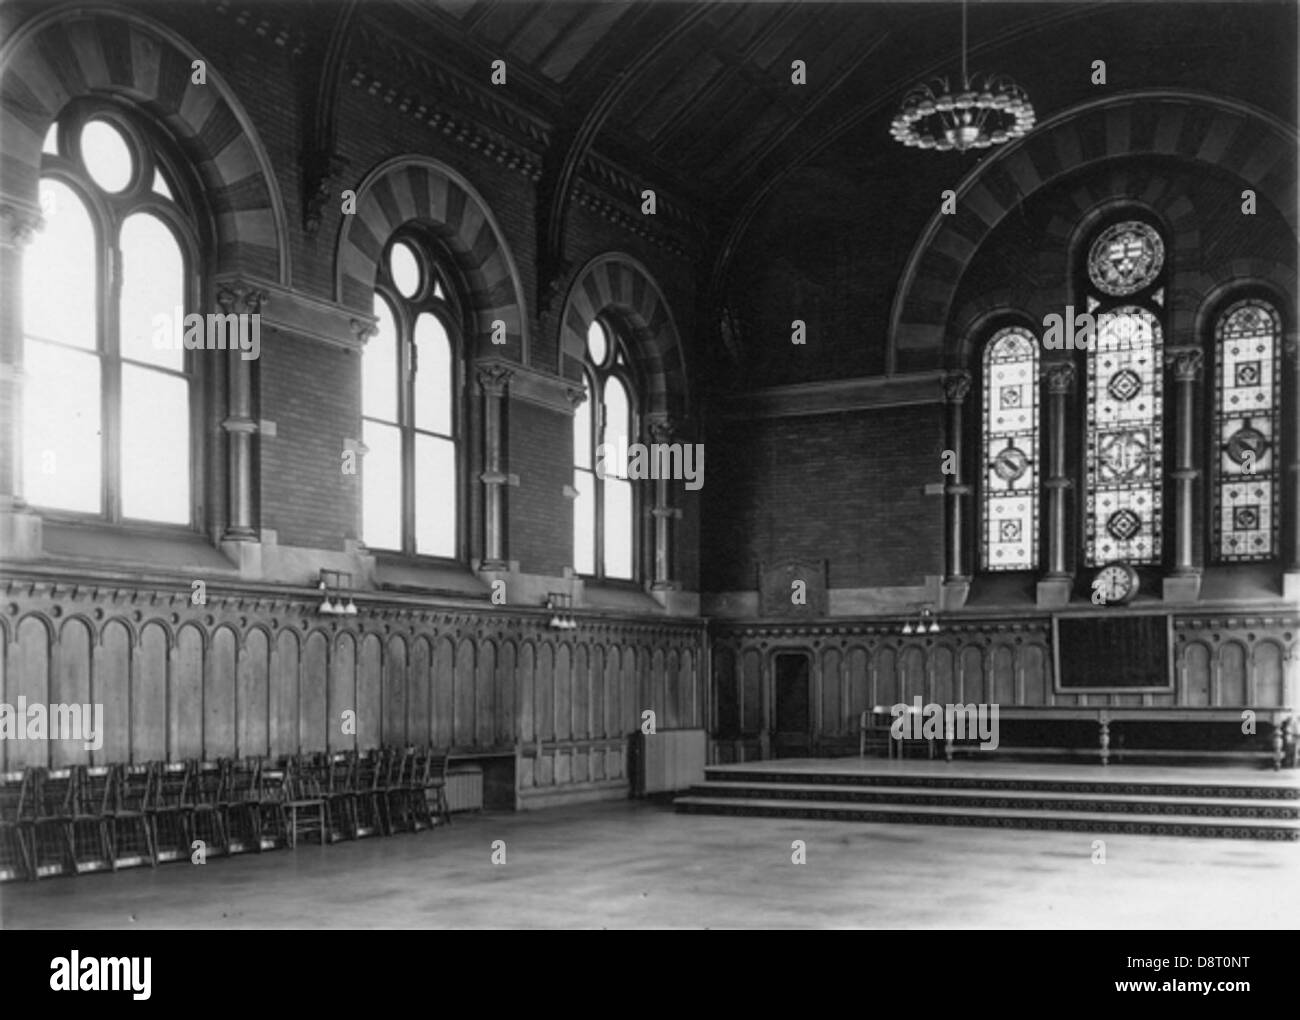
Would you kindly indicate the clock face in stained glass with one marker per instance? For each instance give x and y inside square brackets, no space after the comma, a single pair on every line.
[1125,258]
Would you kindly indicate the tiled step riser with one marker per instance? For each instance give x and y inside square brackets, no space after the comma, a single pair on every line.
[1263,812]
[1047,822]
[1273,794]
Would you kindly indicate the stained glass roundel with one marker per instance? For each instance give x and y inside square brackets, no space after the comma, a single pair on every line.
[1125,258]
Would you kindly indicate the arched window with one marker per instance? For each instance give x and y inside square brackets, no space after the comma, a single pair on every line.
[1246,407]
[604,543]
[108,392]
[410,408]
[1010,452]
[1125,390]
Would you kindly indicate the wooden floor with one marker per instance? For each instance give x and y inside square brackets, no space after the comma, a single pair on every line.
[633,864]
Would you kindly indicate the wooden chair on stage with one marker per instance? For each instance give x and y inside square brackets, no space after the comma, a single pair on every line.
[875,740]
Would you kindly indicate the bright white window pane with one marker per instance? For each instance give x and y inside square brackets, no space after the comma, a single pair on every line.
[582,435]
[379,367]
[597,343]
[435,496]
[381,474]
[432,376]
[618,528]
[51,143]
[61,415]
[160,184]
[155,446]
[153,292]
[59,271]
[106,155]
[584,523]
[405,270]
[616,426]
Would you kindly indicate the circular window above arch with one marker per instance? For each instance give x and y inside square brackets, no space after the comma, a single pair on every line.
[107,156]
[404,267]
[1126,258]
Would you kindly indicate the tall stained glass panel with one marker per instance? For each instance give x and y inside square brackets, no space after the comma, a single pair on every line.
[1125,412]
[1010,452]
[1247,384]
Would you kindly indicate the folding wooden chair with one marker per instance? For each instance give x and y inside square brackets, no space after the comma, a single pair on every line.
[16,822]
[397,805]
[435,784]
[241,805]
[366,778]
[272,818]
[52,826]
[340,795]
[414,803]
[170,811]
[205,798]
[304,802]
[92,828]
[132,828]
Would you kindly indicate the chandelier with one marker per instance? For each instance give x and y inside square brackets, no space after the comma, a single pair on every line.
[987,110]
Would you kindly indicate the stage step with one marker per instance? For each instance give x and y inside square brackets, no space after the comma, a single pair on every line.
[1243,806]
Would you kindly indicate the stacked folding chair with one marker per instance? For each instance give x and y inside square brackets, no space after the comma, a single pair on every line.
[16,824]
[205,798]
[241,805]
[305,806]
[435,784]
[170,811]
[132,828]
[397,790]
[54,791]
[272,817]
[92,823]
[341,795]
[366,782]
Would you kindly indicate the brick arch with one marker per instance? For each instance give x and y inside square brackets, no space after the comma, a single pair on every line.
[418,189]
[1229,136]
[82,50]
[619,284]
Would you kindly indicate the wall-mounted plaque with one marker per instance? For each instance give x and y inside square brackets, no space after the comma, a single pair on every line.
[1130,654]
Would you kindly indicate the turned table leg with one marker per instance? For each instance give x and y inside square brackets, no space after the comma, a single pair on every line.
[1104,728]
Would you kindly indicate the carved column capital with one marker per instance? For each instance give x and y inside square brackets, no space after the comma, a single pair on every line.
[1187,362]
[1291,344]
[956,386]
[362,330]
[18,224]
[1060,376]
[238,297]
[662,427]
[576,395]
[493,378]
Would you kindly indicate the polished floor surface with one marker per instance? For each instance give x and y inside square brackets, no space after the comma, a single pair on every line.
[625,865]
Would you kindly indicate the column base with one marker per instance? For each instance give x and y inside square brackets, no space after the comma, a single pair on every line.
[245,553]
[1054,592]
[953,593]
[1181,587]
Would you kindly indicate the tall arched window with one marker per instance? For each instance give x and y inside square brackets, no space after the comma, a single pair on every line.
[410,408]
[1246,407]
[604,544]
[1125,390]
[108,392]
[1010,452]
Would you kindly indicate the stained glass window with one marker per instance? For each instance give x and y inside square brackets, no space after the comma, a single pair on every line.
[1125,408]
[1125,258]
[1245,429]
[1010,452]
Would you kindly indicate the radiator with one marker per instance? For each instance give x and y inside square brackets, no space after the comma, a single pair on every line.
[465,788]
[668,760]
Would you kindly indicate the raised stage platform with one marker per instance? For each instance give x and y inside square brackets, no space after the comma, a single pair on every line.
[1162,800]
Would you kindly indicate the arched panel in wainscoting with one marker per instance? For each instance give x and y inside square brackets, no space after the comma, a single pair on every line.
[219,694]
[544,696]
[1003,686]
[343,695]
[149,711]
[419,694]
[657,688]
[971,684]
[186,699]
[1232,674]
[563,692]
[581,691]
[1035,681]
[396,679]
[611,723]
[858,678]
[316,729]
[484,694]
[941,671]
[597,707]
[1195,675]
[832,685]
[751,691]
[629,686]
[689,687]
[463,702]
[31,680]
[71,686]
[370,691]
[1266,669]
[912,678]
[444,691]
[253,673]
[672,691]
[112,671]
[507,694]
[527,692]
[726,693]
[887,687]
[286,676]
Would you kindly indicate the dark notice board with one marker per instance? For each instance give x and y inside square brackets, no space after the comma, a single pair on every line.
[1129,653]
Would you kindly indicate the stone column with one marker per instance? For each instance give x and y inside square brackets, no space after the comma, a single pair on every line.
[661,429]
[1054,587]
[493,379]
[237,298]
[1291,485]
[956,387]
[20,533]
[1184,583]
